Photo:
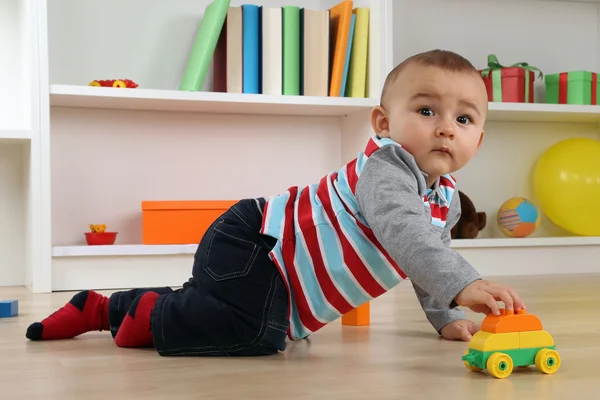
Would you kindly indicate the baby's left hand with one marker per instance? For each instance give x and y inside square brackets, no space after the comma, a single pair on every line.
[461,329]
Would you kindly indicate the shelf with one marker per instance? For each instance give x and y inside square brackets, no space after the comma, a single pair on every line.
[152,250]
[541,112]
[526,242]
[86,267]
[234,103]
[205,102]
[123,250]
[14,135]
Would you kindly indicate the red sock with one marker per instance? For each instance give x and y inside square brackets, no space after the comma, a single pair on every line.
[86,311]
[135,328]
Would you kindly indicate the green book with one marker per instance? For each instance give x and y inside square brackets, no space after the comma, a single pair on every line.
[291,50]
[201,55]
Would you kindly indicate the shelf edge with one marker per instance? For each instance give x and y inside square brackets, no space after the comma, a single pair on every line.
[190,249]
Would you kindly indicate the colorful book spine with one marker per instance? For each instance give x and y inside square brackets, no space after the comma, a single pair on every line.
[251,46]
[291,50]
[288,50]
[207,36]
[347,60]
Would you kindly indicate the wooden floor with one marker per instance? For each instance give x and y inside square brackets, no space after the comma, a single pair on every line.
[397,357]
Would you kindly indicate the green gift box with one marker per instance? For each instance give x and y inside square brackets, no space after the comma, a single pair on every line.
[574,87]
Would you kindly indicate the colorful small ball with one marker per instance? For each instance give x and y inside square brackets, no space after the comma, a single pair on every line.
[518,217]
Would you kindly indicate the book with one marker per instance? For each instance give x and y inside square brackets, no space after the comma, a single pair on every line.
[205,42]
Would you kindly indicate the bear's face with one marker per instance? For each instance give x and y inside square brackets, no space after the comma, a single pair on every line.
[97,228]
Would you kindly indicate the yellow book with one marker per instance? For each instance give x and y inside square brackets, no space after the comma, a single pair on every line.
[357,74]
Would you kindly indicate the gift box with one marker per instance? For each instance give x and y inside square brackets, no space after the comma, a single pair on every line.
[512,83]
[179,221]
[575,87]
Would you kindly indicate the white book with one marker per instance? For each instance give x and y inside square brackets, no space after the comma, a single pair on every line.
[272,76]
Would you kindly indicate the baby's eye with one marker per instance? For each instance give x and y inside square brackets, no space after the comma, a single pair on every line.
[428,112]
[463,119]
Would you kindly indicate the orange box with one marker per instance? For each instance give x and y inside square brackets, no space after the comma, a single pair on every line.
[179,222]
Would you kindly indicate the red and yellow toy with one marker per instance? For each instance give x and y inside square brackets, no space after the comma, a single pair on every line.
[98,235]
[116,83]
[512,339]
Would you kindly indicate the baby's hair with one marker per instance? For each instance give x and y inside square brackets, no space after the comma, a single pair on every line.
[443,59]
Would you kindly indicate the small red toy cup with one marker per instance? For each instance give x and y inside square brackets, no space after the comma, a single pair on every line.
[100,239]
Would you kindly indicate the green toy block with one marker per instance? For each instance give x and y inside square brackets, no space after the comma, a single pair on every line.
[575,87]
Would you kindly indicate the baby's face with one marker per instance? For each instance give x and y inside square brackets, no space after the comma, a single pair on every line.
[437,116]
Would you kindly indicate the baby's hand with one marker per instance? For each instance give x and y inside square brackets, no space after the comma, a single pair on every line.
[481,296]
[461,329]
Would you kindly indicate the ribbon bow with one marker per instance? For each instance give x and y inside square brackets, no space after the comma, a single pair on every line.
[494,64]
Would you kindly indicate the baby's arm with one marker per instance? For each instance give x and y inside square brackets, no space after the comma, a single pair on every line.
[389,196]
[437,315]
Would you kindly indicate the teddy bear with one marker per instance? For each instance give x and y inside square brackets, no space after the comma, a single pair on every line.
[96,228]
[470,222]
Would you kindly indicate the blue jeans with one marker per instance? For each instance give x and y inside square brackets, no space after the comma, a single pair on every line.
[235,303]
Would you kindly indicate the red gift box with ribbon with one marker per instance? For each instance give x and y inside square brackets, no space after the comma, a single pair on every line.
[512,83]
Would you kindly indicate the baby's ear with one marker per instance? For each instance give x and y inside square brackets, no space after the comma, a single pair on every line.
[379,122]
[481,139]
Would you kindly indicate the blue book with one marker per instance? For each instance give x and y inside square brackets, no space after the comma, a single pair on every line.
[348,51]
[251,48]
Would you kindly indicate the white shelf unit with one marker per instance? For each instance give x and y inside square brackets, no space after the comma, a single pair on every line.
[25,243]
[111,149]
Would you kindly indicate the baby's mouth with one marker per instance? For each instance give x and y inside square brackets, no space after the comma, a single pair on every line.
[444,150]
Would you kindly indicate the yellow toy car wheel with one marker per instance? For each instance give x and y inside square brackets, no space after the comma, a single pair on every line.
[547,361]
[470,366]
[119,84]
[500,365]
[94,83]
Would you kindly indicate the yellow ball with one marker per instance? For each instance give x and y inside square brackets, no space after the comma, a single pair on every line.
[518,217]
[567,185]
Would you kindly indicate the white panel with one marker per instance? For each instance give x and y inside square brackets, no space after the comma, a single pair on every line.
[551,35]
[533,261]
[12,190]
[12,115]
[104,163]
[80,273]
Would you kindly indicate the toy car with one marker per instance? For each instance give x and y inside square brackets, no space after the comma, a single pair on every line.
[512,339]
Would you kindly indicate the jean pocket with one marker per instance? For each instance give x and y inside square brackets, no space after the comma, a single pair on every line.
[229,256]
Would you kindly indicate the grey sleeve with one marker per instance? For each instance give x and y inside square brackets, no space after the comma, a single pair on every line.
[437,315]
[389,195]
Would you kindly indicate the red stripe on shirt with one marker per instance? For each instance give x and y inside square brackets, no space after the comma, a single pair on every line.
[371,236]
[352,260]
[438,211]
[351,175]
[288,245]
[372,146]
[446,182]
[309,233]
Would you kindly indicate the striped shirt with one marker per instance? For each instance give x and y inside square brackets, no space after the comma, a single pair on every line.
[327,253]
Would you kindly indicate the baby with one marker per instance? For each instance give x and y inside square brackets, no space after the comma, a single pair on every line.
[288,265]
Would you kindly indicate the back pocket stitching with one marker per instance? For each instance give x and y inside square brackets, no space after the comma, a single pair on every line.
[228,275]
[236,273]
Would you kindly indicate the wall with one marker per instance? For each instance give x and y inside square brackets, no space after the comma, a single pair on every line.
[12,220]
[175,156]
[554,36]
